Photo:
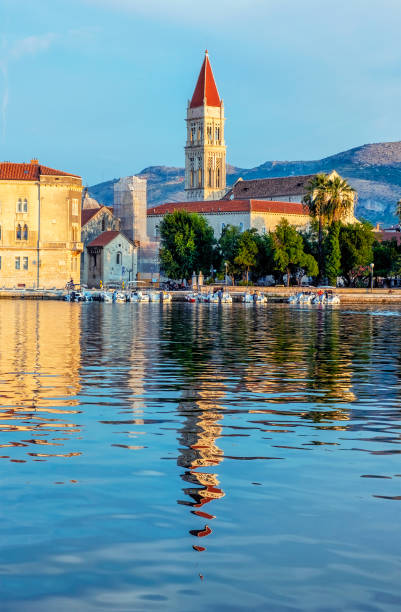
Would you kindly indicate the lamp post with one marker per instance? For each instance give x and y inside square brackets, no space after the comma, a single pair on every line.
[372,265]
[226,267]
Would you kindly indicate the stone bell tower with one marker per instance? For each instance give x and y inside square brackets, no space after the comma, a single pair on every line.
[205,150]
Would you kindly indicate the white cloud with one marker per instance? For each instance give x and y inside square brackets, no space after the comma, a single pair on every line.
[30,45]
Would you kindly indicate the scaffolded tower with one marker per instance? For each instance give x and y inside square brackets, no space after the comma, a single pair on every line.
[130,207]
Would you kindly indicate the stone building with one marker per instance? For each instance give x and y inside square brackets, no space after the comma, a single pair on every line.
[129,206]
[245,214]
[40,226]
[112,257]
[281,189]
[205,150]
[95,220]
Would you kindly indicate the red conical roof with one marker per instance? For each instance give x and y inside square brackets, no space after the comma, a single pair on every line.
[205,87]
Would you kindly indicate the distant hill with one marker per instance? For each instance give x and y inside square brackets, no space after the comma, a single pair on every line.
[374,170]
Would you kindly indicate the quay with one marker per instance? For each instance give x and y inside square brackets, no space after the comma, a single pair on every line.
[273,294]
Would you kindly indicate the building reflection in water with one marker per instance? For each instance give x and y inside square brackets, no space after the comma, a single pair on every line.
[39,375]
[199,355]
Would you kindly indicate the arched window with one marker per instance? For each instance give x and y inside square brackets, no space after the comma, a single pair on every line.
[210,177]
[19,232]
[200,177]
[25,235]
[241,227]
[118,259]
[19,205]
[25,205]
[103,224]
[218,177]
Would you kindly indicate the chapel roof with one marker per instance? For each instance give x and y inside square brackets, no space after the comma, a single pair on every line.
[206,89]
[104,238]
[270,187]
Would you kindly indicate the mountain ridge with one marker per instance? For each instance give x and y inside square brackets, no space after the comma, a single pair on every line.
[374,170]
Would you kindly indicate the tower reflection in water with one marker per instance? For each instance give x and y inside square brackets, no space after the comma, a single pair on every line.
[39,377]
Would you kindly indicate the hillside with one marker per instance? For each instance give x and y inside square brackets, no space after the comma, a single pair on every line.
[374,170]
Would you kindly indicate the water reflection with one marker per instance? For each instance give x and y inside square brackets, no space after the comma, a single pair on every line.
[268,436]
[39,377]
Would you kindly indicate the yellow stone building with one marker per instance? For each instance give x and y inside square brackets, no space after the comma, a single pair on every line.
[40,226]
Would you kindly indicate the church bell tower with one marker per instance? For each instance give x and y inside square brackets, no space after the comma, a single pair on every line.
[205,150]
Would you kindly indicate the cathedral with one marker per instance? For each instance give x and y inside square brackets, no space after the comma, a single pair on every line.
[205,151]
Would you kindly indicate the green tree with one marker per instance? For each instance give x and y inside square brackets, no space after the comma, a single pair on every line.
[289,255]
[264,260]
[356,241]
[247,251]
[386,257]
[333,254]
[187,243]
[228,247]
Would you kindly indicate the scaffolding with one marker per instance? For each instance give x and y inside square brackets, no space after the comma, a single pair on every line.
[130,206]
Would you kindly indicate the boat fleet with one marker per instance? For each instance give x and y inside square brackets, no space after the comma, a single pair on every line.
[323,298]
[112,297]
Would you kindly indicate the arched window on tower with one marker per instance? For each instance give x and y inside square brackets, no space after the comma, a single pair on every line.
[19,205]
[18,232]
[218,177]
[25,235]
[209,179]
[200,177]
[25,205]
[103,224]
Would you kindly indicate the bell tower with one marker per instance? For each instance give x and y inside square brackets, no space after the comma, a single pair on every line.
[205,150]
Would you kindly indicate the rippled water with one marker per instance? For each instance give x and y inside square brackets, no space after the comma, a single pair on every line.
[197,457]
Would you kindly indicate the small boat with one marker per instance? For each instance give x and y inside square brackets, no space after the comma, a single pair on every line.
[259,298]
[154,296]
[135,296]
[165,297]
[213,298]
[202,297]
[107,297]
[247,298]
[191,297]
[119,297]
[226,298]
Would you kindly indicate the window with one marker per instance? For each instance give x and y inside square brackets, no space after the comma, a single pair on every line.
[217,132]
[157,231]
[75,207]
[25,263]
[103,224]
[19,205]
[18,232]
[223,226]
[241,227]
[0,262]
[218,177]
[25,235]
[210,177]
[25,205]
[18,263]
[118,259]
[200,177]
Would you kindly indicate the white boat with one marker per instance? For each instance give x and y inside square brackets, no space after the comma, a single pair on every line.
[107,297]
[202,297]
[259,298]
[226,298]
[136,296]
[119,297]
[154,296]
[213,298]
[165,297]
[247,298]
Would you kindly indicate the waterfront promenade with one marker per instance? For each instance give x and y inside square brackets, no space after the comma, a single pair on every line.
[274,294]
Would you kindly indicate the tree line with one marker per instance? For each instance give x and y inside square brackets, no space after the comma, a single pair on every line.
[326,250]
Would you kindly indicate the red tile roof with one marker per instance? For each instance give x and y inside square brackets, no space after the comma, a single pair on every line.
[88,213]
[384,235]
[28,172]
[230,206]
[205,87]
[104,238]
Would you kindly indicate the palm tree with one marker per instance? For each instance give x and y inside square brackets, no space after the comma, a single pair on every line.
[328,199]
[341,198]
[315,200]
[398,211]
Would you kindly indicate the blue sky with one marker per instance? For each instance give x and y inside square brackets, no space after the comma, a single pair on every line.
[100,87]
